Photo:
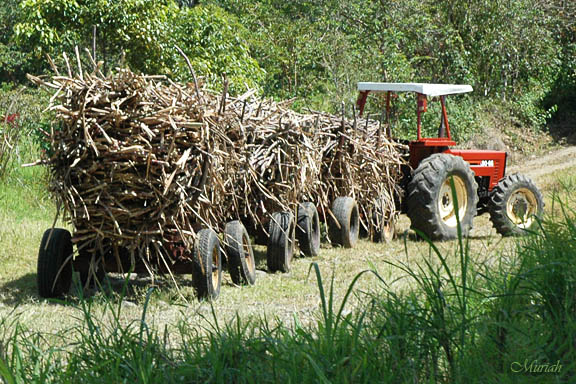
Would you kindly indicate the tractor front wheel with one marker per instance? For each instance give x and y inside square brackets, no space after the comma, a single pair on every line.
[433,208]
[514,206]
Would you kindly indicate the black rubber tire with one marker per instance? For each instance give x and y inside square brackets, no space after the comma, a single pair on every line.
[344,223]
[505,193]
[281,242]
[55,263]
[207,265]
[308,229]
[239,253]
[430,188]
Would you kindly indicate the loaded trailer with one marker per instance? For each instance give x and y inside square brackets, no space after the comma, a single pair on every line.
[148,172]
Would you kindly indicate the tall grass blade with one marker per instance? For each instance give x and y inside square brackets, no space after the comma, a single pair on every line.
[5,373]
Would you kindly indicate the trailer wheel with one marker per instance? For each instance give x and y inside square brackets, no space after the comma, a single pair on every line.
[239,253]
[344,223]
[385,233]
[207,264]
[281,242]
[431,207]
[90,267]
[384,220]
[515,204]
[308,229]
[55,263]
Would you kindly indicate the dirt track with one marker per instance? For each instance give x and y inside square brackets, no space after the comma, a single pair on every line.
[546,165]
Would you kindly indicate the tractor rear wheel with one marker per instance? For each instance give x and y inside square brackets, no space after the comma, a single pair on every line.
[308,229]
[344,223]
[281,242]
[239,254]
[431,205]
[207,264]
[514,206]
[55,263]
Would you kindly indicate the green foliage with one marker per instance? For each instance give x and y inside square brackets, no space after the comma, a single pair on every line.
[215,43]
[17,137]
[287,40]
[142,34]
[136,27]
[516,53]
[529,106]
[318,50]
[563,92]
[530,314]
[14,62]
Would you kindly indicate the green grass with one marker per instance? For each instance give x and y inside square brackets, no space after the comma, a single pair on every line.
[447,317]
[25,212]
[24,196]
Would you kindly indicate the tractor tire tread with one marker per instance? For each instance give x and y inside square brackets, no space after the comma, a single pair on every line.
[423,190]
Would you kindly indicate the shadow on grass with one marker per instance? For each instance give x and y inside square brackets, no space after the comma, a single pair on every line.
[20,290]
[482,237]
[24,289]
[132,287]
[413,236]
[410,235]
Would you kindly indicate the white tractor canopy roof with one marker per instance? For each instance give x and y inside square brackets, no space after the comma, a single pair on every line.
[423,88]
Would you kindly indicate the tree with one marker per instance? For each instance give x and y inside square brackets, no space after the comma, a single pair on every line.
[13,62]
[144,33]
[215,43]
[136,28]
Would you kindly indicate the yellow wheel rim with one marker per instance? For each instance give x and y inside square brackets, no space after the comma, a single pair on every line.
[521,207]
[446,203]
[215,268]
[388,229]
[248,254]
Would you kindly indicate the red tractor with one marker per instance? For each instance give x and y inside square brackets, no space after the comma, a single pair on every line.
[479,180]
